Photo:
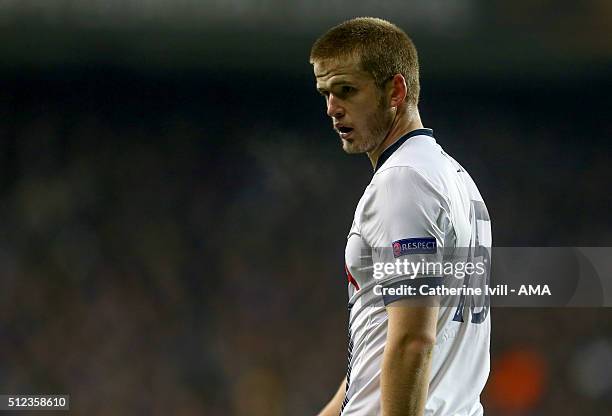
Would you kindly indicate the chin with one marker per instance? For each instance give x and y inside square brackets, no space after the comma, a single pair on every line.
[350,148]
[354,147]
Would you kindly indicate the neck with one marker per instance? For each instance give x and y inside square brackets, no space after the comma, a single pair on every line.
[402,123]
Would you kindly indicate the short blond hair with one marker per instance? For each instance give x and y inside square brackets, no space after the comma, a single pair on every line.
[382,48]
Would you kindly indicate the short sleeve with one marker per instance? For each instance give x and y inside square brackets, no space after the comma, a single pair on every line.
[405,221]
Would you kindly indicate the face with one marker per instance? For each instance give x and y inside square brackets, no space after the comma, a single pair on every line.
[357,107]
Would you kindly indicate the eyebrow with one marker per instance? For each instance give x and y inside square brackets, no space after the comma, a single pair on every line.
[337,82]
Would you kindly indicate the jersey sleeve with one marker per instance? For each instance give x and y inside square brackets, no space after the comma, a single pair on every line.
[405,222]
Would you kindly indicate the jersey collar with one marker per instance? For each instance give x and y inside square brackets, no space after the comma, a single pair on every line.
[391,149]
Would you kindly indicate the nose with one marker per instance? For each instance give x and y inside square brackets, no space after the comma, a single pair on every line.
[334,107]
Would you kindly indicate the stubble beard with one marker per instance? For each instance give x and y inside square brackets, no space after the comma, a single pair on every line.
[378,124]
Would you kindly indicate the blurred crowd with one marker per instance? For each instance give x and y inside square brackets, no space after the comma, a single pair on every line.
[176,248]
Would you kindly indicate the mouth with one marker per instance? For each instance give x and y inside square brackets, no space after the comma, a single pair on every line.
[344,131]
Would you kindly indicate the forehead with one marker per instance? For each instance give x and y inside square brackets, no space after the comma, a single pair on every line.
[329,71]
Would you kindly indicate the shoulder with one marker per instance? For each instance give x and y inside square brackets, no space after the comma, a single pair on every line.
[402,194]
[420,160]
[423,155]
[406,184]
[399,176]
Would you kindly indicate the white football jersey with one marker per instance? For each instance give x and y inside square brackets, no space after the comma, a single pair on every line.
[419,204]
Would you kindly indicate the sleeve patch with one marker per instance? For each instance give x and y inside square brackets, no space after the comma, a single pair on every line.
[424,245]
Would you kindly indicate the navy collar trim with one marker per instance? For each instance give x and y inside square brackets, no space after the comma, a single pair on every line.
[391,149]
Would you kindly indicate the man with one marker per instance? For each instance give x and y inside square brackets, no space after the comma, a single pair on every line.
[408,355]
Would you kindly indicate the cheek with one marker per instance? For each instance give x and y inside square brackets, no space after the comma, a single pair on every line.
[377,119]
[366,118]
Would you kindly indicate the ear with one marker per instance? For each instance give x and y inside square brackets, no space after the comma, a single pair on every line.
[398,90]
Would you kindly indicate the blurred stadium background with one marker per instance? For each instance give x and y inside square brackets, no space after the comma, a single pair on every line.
[174,202]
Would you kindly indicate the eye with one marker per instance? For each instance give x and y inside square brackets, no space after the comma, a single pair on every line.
[346,89]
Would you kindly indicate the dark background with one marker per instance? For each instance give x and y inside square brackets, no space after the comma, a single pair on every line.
[175,204]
